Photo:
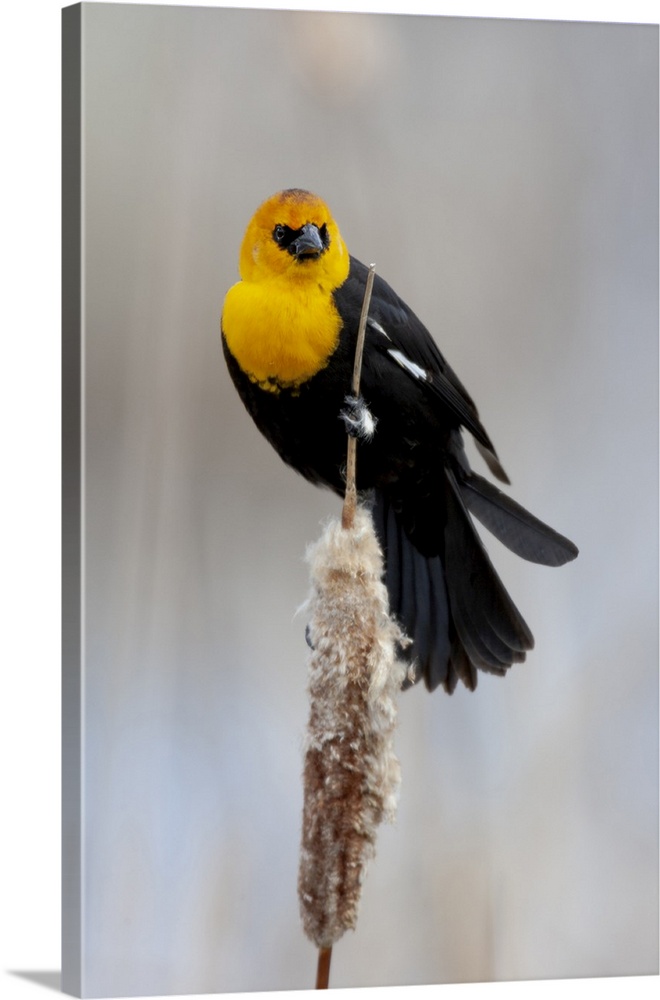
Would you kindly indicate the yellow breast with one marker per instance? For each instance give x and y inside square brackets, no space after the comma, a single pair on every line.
[280,334]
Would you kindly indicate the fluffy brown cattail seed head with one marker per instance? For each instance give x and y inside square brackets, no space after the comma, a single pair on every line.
[351,774]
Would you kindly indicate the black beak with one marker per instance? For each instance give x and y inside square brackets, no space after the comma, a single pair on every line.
[308,244]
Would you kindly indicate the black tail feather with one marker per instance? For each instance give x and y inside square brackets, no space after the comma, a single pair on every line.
[460,668]
[481,609]
[452,605]
[418,597]
[514,526]
[436,666]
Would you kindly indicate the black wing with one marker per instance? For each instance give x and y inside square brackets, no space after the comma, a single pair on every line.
[395,330]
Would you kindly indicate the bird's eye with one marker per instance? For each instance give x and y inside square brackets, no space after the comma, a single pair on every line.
[280,234]
[323,233]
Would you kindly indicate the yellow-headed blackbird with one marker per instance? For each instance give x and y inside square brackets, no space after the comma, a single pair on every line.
[289,329]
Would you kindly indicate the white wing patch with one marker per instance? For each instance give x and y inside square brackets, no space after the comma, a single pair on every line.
[398,356]
[409,365]
[378,328]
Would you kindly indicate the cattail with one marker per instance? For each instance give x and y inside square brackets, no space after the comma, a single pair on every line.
[351,774]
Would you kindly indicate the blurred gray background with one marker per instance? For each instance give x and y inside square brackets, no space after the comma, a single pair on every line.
[503,176]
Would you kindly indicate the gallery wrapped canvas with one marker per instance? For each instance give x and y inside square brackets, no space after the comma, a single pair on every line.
[502,174]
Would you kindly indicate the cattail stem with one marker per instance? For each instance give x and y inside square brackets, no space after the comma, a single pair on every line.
[323,968]
[350,495]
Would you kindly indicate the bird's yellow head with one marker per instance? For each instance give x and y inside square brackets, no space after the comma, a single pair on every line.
[294,236]
[280,322]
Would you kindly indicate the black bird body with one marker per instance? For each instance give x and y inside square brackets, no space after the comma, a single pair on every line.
[304,425]
[442,585]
